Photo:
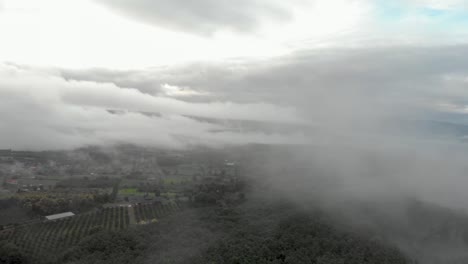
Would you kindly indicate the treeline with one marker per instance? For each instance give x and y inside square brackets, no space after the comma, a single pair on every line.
[85,182]
[265,233]
[57,202]
[212,193]
[107,247]
[298,239]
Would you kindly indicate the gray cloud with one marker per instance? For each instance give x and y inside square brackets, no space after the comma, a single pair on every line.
[67,114]
[354,83]
[201,17]
[344,96]
[324,97]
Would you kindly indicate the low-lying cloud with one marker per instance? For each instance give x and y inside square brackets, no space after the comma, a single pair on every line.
[41,110]
[368,97]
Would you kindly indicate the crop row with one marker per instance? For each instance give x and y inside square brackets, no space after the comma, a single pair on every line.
[47,239]
[146,213]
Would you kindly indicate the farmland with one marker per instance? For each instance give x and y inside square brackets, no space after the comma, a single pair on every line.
[44,240]
[146,213]
[130,191]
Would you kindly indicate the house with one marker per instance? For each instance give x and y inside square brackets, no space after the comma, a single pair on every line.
[59,216]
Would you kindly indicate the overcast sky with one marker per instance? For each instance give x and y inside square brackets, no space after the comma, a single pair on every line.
[146,71]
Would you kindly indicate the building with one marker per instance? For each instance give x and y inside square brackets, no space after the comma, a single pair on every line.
[230,169]
[59,216]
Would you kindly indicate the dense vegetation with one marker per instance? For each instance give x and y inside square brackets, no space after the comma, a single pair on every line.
[300,239]
[85,182]
[11,254]
[107,247]
[260,233]
[40,203]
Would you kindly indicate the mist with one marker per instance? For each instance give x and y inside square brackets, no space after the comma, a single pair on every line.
[391,124]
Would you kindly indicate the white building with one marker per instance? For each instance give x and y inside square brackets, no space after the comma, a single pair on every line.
[59,216]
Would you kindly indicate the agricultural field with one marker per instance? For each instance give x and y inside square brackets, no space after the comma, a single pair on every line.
[45,240]
[177,180]
[169,195]
[148,213]
[130,191]
[41,239]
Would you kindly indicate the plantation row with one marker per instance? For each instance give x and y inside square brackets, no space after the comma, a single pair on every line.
[146,213]
[46,239]
[43,240]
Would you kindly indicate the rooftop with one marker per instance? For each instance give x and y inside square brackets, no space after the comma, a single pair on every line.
[59,216]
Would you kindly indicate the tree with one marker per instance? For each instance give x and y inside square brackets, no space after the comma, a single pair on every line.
[11,254]
[106,247]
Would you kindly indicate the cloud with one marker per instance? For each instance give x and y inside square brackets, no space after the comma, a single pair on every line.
[177,91]
[201,17]
[330,86]
[329,96]
[44,111]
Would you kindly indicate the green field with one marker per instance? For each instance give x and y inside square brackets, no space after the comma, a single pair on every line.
[169,195]
[176,180]
[130,191]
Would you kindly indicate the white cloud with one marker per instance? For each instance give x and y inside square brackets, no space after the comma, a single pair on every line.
[41,110]
[177,91]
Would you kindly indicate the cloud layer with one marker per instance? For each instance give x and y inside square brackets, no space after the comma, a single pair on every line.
[41,110]
[314,97]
